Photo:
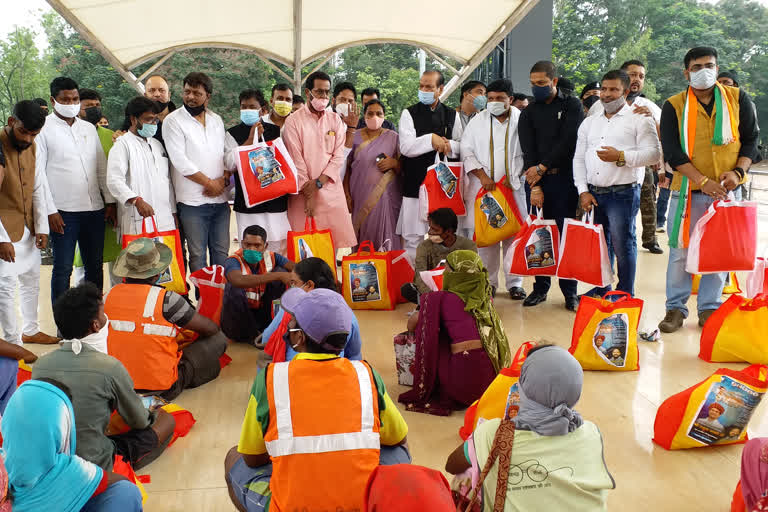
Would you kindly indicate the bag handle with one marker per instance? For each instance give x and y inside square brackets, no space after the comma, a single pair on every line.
[437,158]
[589,217]
[366,245]
[386,245]
[144,232]
[615,293]
[521,354]
[310,224]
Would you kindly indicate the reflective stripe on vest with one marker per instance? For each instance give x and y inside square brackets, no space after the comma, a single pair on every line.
[287,444]
[149,312]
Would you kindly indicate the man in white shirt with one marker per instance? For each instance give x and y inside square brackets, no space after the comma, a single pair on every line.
[642,105]
[486,160]
[70,155]
[194,138]
[138,173]
[425,128]
[612,150]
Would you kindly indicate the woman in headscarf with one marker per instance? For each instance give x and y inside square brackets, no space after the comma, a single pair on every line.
[460,342]
[752,493]
[556,460]
[39,452]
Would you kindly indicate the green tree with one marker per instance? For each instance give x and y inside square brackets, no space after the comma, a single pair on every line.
[24,73]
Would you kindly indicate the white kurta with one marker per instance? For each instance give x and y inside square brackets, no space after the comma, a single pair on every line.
[139,167]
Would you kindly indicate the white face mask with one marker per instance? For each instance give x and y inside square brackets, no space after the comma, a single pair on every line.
[96,340]
[436,239]
[611,107]
[66,111]
[496,108]
[342,108]
[703,78]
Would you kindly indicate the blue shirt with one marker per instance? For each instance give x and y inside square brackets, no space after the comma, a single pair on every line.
[352,350]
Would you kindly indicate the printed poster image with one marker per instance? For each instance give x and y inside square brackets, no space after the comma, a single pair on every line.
[265,166]
[493,211]
[725,412]
[611,338]
[513,402]
[446,178]
[167,275]
[364,282]
[539,252]
[304,250]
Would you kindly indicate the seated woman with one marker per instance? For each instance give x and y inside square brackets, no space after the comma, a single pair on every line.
[752,492]
[460,342]
[556,458]
[43,471]
[308,274]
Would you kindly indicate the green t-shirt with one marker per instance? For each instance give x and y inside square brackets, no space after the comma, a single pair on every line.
[105,137]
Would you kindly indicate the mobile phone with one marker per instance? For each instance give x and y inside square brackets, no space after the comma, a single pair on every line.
[380,157]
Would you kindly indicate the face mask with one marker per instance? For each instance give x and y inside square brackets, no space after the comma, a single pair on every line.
[427,98]
[541,93]
[283,108]
[611,107]
[252,257]
[374,123]
[194,111]
[162,105]
[66,111]
[147,130]
[436,239]
[632,95]
[342,108]
[479,102]
[319,104]
[250,117]
[96,340]
[703,78]
[497,108]
[591,101]
[93,115]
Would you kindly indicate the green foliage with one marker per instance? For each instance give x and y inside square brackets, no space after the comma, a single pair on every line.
[23,71]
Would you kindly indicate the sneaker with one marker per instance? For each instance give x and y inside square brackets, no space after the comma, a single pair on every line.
[516,293]
[672,322]
[40,338]
[704,316]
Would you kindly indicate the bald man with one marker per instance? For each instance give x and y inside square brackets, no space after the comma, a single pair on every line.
[156,88]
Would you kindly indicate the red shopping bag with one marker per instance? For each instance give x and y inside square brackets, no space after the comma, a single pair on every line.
[757,280]
[535,249]
[210,281]
[584,252]
[442,188]
[312,242]
[175,277]
[402,269]
[724,239]
[433,278]
[266,171]
[367,281]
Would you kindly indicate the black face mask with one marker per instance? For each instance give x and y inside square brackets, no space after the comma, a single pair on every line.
[93,115]
[194,111]
[632,95]
[162,105]
[591,101]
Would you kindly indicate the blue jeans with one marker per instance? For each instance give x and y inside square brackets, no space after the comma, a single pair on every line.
[617,212]
[206,229]
[87,230]
[678,280]
[661,207]
[122,496]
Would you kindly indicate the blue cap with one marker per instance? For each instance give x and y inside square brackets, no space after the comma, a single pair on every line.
[319,313]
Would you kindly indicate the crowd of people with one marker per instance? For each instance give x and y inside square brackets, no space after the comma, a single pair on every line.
[316,408]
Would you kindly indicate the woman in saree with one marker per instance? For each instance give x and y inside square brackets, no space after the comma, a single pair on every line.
[460,341]
[39,454]
[373,181]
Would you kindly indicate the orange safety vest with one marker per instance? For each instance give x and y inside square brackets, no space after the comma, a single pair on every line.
[323,433]
[140,337]
[266,264]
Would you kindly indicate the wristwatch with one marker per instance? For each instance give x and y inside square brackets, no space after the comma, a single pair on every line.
[318,183]
[621,162]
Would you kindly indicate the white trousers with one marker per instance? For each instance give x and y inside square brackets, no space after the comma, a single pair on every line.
[29,291]
[410,226]
[492,257]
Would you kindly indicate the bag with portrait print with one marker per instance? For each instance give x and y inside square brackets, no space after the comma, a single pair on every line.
[367,281]
[174,278]
[713,412]
[266,171]
[535,249]
[442,188]
[496,215]
[605,332]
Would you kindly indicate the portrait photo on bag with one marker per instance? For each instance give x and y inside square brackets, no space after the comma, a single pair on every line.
[539,251]
[448,181]
[610,339]
[724,413]
[493,211]
[265,166]
[364,285]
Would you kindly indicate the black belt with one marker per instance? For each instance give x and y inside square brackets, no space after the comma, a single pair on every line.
[613,188]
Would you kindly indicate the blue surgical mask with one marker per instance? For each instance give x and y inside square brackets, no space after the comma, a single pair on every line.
[252,257]
[427,98]
[541,92]
[250,117]
[147,130]
[479,102]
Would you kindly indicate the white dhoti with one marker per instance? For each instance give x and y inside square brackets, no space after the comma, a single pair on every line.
[25,271]
[410,226]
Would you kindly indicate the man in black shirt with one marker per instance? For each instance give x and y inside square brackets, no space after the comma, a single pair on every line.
[548,129]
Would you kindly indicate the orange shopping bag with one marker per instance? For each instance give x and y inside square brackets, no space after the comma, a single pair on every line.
[23,374]
[210,281]
[266,171]
[584,252]
[496,215]
[312,242]
[367,279]
[121,467]
[605,333]
[442,188]
[713,412]
[502,392]
[736,332]
[535,249]
[175,277]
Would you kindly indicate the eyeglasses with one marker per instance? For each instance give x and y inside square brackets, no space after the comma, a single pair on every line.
[321,93]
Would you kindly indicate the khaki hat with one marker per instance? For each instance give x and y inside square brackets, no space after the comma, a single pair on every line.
[143,258]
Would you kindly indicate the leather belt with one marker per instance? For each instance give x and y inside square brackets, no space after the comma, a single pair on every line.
[612,189]
[552,171]
[466,346]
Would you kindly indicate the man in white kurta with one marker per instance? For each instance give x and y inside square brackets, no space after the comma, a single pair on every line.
[138,174]
[490,150]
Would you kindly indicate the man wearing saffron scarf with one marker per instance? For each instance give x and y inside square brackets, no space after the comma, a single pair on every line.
[710,157]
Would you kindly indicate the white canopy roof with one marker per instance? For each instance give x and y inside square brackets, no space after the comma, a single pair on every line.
[295,33]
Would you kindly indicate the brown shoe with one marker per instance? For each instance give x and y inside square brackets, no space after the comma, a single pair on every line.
[704,316]
[40,338]
[673,321]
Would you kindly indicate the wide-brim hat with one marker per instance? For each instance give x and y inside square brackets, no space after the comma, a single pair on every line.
[143,258]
